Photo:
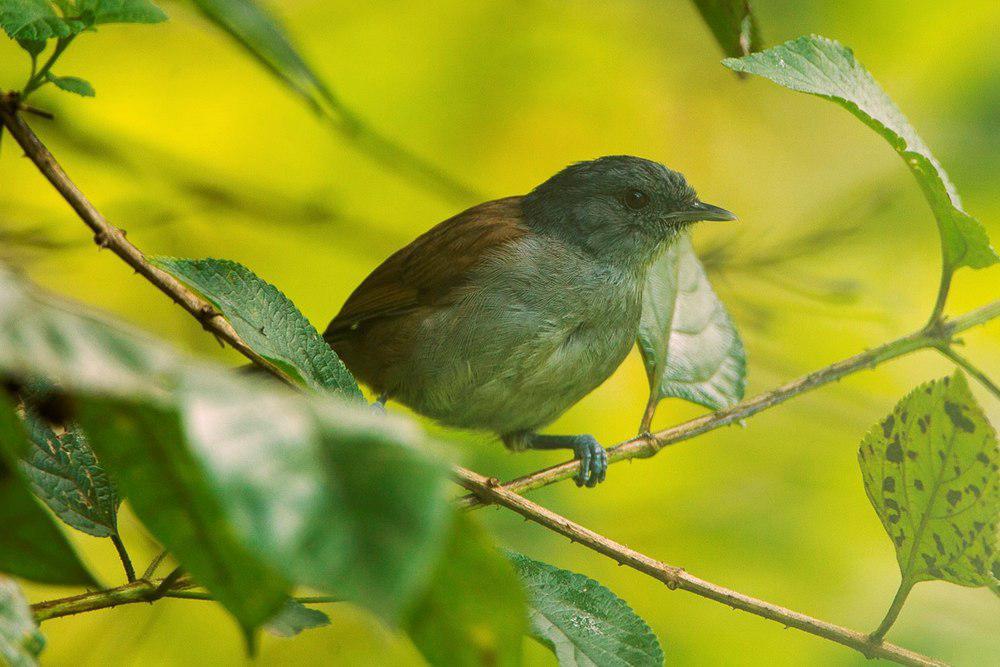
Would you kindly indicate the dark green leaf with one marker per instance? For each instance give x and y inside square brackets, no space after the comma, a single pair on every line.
[823,67]
[32,545]
[33,20]
[473,612]
[121,11]
[583,622]
[32,46]
[64,472]
[295,617]
[689,345]
[71,84]
[267,320]
[20,640]
[733,24]
[930,471]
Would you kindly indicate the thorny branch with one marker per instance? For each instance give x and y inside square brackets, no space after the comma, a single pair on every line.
[109,236]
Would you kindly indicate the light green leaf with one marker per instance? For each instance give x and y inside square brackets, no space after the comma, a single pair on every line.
[71,84]
[33,20]
[20,640]
[583,622]
[823,67]
[473,612]
[689,344]
[32,545]
[64,472]
[733,24]
[121,11]
[267,320]
[295,617]
[930,471]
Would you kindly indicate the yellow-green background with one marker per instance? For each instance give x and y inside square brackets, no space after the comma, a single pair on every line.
[197,152]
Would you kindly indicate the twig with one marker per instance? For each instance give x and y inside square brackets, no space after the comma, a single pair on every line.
[123,555]
[970,368]
[153,564]
[675,577]
[140,590]
[646,445]
[205,595]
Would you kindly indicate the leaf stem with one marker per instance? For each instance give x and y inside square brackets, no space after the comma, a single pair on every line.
[890,616]
[123,555]
[949,352]
[153,564]
[37,79]
[942,295]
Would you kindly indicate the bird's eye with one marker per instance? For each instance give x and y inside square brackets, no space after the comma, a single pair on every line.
[636,199]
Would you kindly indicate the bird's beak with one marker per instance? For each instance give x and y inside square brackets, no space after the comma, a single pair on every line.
[700,211]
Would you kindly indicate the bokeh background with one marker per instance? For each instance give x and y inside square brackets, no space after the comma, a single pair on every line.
[196,151]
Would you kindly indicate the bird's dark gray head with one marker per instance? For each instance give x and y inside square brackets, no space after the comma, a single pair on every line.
[620,207]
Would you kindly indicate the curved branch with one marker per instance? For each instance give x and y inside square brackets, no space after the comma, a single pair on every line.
[675,577]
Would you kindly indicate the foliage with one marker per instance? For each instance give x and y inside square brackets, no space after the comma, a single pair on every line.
[20,640]
[733,23]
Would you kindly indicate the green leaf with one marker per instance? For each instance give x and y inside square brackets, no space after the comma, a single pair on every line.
[64,472]
[473,612]
[71,84]
[121,11]
[930,471]
[583,622]
[823,67]
[689,344]
[20,640]
[733,24]
[33,20]
[267,320]
[32,46]
[295,617]
[32,546]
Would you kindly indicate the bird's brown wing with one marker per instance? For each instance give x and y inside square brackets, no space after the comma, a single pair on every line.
[426,272]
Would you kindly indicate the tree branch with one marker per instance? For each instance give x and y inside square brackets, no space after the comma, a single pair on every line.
[646,445]
[675,577]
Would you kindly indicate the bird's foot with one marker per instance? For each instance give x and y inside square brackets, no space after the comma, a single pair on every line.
[593,461]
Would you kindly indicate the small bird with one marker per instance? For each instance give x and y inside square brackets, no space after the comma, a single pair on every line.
[505,315]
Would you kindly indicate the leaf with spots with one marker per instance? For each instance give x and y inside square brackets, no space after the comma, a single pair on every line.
[20,640]
[930,471]
[823,67]
[582,622]
[689,344]
[267,320]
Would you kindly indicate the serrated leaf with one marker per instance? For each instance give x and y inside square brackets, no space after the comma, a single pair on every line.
[20,640]
[473,612]
[583,622]
[822,67]
[238,477]
[733,23]
[294,618]
[33,20]
[71,84]
[121,11]
[266,320]
[32,545]
[64,472]
[689,344]
[930,472]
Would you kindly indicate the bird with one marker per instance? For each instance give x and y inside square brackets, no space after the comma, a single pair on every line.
[502,317]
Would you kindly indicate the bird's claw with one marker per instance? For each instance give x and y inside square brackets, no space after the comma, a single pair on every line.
[593,461]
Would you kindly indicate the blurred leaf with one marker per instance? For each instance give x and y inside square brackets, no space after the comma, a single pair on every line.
[20,640]
[583,622]
[733,24]
[71,84]
[32,545]
[247,482]
[473,612]
[121,11]
[689,345]
[823,67]
[33,20]
[32,46]
[295,617]
[64,472]
[267,320]
[930,471]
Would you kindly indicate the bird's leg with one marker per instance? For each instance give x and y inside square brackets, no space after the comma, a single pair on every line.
[593,458]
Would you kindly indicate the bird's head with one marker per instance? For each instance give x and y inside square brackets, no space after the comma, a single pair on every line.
[619,207]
